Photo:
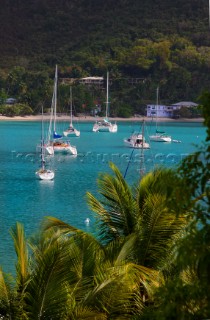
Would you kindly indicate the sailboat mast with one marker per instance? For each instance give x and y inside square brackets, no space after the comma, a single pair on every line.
[107,94]
[55,95]
[142,164]
[157,99]
[42,142]
[71,106]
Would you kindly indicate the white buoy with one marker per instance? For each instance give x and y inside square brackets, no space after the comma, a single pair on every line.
[87,221]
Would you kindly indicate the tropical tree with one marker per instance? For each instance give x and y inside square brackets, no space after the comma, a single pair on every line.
[70,275]
[123,210]
[144,220]
[187,294]
[12,290]
[101,280]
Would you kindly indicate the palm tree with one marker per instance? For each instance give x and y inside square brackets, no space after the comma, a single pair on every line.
[70,275]
[137,231]
[12,290]
[100,279]
[143,212]
[146,213]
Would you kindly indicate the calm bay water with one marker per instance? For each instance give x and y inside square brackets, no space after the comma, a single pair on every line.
[25,199]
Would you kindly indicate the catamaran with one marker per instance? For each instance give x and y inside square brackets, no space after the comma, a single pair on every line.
[71,131]
[159,136]
[55,144]
[105,125]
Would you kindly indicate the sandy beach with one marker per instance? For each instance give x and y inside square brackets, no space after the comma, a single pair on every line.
[93,119]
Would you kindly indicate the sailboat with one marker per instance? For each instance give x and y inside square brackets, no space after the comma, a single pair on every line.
[138,143]
[71,131]
[159,136]
[43,173]
[105,125]
[55,144]
[137,139]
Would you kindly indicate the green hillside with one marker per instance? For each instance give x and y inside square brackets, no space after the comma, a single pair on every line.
[164,42]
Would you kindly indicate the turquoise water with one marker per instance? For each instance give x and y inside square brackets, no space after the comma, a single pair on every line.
[25,199]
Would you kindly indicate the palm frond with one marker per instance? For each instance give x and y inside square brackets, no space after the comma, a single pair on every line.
[121,250]
[117,208]
[52,222]
[46,293]
[160,181]
[86,313]
[5,294]
[157,229]
[21,249]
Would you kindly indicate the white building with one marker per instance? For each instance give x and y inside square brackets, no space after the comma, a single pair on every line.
[88,81]
[160,111]
[163,111]
[93,81]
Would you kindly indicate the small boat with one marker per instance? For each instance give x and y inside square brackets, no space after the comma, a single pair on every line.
[159,136]
[137,140]
[55,144]
[105,125]
[43,173]
[71,131]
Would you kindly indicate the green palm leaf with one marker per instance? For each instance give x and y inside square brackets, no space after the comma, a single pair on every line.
[143,211]
[46,293]
[6,295]
[21,249]
[98,279]
[117,208]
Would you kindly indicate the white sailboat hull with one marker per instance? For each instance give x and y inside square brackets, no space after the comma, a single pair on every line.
[61,147]
[100,128]
[69,149]
[160,138]
[135,145]
[65,148]
[113,128]
[107,127]
[45,174]
[71,133]
[136,141]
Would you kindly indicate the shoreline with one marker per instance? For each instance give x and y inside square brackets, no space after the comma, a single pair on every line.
[94,119]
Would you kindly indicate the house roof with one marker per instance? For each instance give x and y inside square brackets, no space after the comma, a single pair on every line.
[92,78]
[10,100]
[185,104]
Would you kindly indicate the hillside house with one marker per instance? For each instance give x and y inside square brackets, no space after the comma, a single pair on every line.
[10,101]
[93,81]
[163,111]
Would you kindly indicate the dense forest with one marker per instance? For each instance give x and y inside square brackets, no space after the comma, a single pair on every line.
[163,43]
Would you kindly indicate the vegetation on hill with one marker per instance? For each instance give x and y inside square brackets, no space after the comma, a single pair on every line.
[164,43]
